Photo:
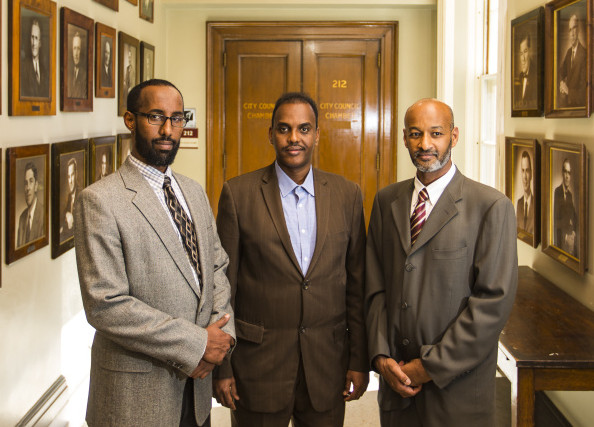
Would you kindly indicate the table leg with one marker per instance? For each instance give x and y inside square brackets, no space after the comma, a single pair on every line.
[525,397]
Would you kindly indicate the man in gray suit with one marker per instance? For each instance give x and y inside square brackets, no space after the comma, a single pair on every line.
[155,291]
[31,220]
[441,275]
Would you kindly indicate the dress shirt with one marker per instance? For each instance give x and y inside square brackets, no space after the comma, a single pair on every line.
[434,190]
[155,179]
[299,207]
[31,213]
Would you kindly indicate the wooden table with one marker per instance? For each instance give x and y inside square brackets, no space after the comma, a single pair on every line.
[547,344]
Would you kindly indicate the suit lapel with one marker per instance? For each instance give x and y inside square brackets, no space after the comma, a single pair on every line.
[442,212]
[271,194]
[147,203]
[401,214]
[322,199]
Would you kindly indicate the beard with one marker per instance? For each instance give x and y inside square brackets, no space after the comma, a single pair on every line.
[439,163]
[156,157]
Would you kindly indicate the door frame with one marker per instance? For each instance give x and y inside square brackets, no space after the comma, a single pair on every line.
[218,32]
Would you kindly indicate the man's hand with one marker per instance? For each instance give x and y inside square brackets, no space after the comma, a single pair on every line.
[69,220]
[359,380]
[563,88]
[225,392]
[416,372]
[218,343]
[202,370]
[392,373]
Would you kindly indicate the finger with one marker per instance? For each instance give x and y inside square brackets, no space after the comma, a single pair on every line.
[234,391]
[221,322]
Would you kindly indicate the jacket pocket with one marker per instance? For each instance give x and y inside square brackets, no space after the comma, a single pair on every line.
[448,253]
[249,331]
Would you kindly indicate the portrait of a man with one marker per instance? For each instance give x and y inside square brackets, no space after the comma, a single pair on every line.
[34,55]
[129,68]
[526,79]
[571,57]
[71,183]
[148,65]
[106,64]
[146,9]
[525,204]
[103,161]
[565,204]
[77,62]
[30,171]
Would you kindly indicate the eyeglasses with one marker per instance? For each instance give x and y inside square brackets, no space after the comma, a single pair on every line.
[160,119]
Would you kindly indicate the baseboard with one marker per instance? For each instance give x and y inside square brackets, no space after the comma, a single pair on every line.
[546,413]
[48,405]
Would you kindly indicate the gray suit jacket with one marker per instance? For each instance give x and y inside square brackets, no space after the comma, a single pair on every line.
[140,295]
[282,314]
[444,300]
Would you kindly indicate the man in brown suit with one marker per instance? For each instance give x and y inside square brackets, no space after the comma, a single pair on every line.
[437,299]
[296,239]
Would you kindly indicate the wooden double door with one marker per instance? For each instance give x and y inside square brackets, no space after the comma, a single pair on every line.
[349,69]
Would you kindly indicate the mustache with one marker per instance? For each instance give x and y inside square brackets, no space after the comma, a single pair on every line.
[164,139]
[293,146]
[424,153]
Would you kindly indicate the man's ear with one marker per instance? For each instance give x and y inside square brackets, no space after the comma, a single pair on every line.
[130,120]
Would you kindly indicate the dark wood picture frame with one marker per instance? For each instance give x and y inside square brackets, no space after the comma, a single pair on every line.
[146,10]
[124,147]
[568,77]
[30,95]
[20,165]
[527,59]
[69,177]
[112,4]
[105,145]
[105,82]
[147,61]
[128,68]
[76,30]
[565,220]
[134,2]
[522,169]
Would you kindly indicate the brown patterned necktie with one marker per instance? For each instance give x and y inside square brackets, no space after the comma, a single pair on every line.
[418,217]
[184,224]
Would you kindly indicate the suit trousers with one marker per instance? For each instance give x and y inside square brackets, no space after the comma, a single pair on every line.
[407,417]
[188,413]
[299,411]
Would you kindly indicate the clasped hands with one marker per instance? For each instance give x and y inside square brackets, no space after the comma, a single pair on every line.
[406,379]
[218,345]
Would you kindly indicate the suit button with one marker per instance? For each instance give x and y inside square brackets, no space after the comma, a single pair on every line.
[404,305]
[305,284]
[405,341]
[409,267]
[301,330]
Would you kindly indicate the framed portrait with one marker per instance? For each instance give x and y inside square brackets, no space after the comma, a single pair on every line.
[69,177]
[32,58]
[128,68]
[522,186]
[147,59]
[112,4]
[565,201]
[105,44]
[568,58]
[76,55]
[124,147]
[102,157]
[527,61]
[146,9]
[27,195]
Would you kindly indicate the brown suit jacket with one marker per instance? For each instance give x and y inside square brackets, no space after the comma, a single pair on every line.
[282,315]
[444,300]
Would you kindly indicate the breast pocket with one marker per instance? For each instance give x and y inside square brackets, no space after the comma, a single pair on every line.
[449,253]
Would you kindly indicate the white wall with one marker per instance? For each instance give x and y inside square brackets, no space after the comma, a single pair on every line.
[577,406]
[39,296]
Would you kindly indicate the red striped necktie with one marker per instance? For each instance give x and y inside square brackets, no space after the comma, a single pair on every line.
[418,217]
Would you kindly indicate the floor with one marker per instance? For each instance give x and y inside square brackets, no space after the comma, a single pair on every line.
[361,413]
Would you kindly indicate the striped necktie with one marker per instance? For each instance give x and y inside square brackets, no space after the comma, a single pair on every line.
[184,224]
[418,217]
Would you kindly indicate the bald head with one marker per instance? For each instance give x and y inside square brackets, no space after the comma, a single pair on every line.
[435,106]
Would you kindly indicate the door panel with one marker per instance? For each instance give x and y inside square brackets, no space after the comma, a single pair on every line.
[257,74]
[343,78]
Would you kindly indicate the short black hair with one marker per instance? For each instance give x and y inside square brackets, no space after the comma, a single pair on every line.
[295,98]
[31,165]
[72,161]
[526,37]
[134,94]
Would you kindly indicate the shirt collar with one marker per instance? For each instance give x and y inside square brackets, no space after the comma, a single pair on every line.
[436,188]
[149,172]
[287,185]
